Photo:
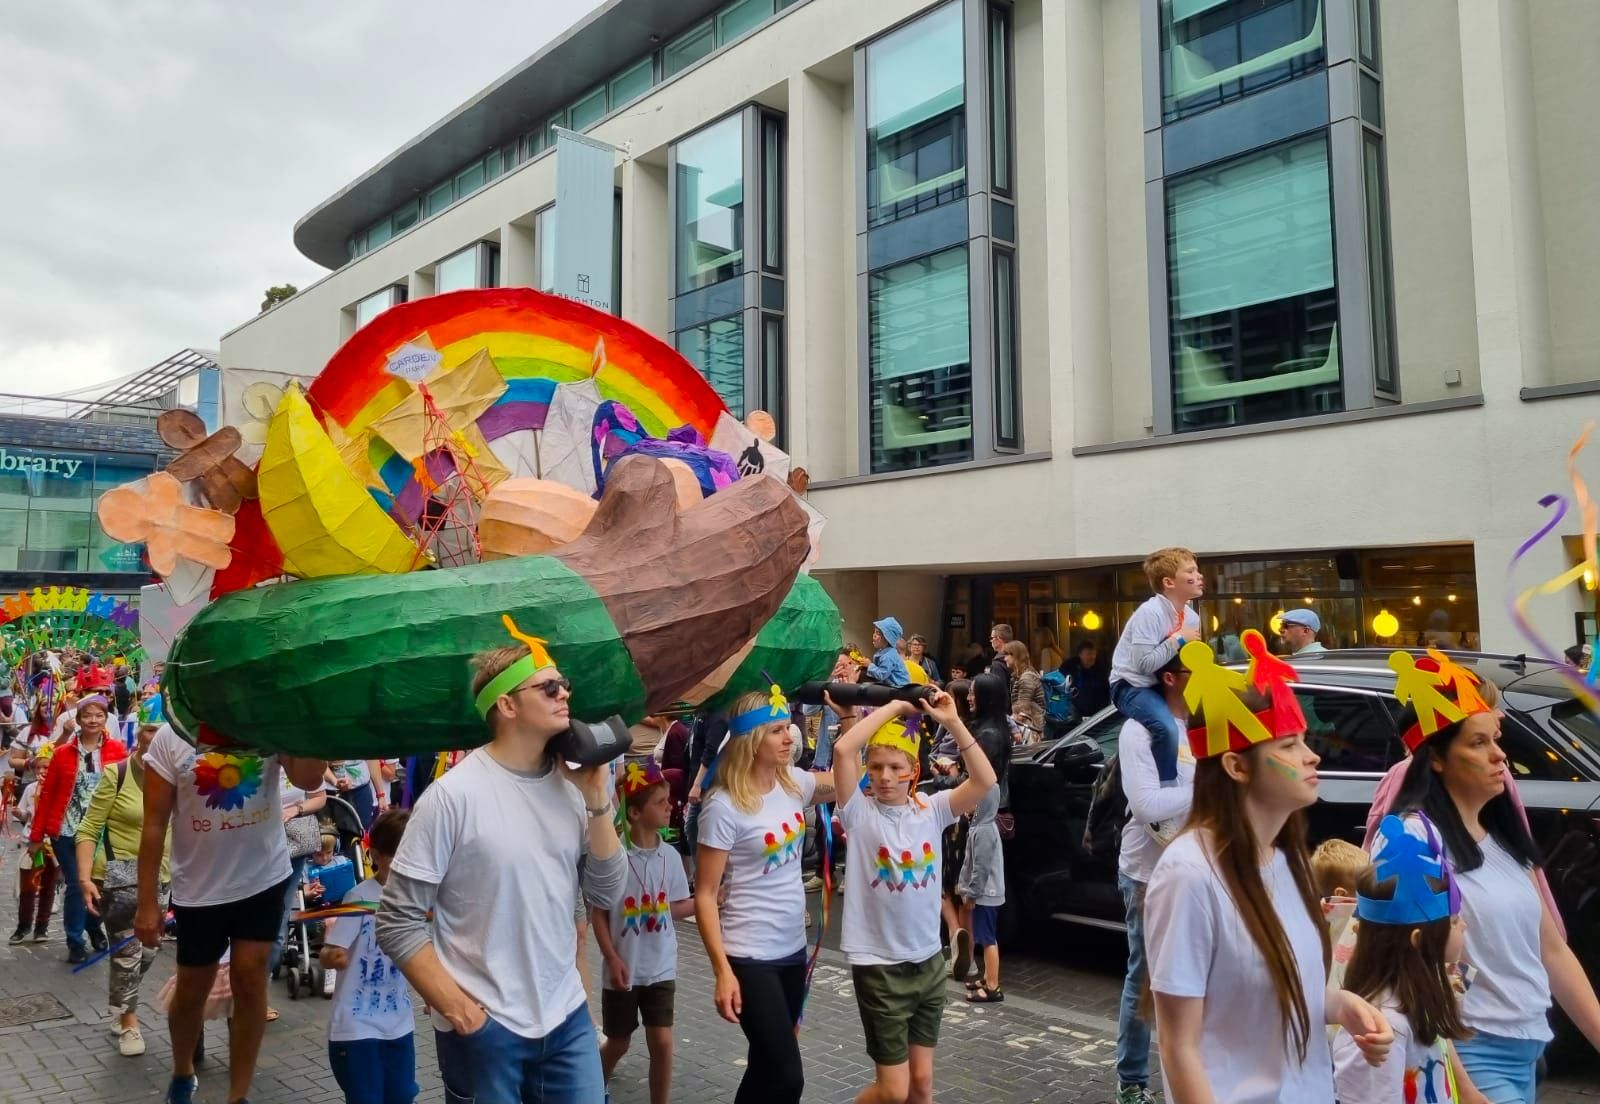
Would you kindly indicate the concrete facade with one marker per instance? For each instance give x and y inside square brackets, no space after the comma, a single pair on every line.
[1495,244]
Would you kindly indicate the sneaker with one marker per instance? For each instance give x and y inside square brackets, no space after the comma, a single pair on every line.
[20,934]
[77,953]
[182,1090]
[97,940]
[813,884]
[130,1043]
[328,980]
[1134,1094]
[41,933]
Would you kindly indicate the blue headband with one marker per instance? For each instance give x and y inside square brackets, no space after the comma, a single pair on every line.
[776,708]
[1411,861]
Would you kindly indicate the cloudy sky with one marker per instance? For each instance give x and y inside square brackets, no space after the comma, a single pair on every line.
[159,152]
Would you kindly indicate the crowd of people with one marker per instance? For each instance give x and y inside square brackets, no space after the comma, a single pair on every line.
[1419,968]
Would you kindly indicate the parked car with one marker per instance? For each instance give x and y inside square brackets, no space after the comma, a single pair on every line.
[1550,739]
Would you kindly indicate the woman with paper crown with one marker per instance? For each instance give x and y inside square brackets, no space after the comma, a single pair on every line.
[1457,776]
[1411,938]
[752,828]
[1237,948]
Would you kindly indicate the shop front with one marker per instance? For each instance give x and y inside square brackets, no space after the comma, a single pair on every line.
[1389,597]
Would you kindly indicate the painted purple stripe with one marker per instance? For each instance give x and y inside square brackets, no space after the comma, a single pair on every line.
[508,417]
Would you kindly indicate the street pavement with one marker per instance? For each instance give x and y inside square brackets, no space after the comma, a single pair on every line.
[1052,1040]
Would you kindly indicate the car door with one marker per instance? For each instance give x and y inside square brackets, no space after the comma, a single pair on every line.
[1353,731]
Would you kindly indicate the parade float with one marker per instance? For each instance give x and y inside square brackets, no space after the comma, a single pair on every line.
[331,564]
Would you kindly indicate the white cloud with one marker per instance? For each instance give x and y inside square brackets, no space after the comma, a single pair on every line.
[159,152]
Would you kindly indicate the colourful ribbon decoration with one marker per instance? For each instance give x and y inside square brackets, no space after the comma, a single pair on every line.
[1518,606]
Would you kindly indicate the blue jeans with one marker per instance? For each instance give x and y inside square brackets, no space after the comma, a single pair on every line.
[1146,705]
[1133,1034]
[75,919]
[495,1065]
[288,907]
[375,1071]
[1501,1068]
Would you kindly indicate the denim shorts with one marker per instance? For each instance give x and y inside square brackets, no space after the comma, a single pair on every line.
[1501,1068]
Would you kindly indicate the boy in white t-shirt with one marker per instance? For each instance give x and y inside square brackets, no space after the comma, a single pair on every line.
[638,939]
[891,909]
[371,1042]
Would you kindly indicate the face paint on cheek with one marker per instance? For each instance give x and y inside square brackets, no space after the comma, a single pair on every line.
[1291,773]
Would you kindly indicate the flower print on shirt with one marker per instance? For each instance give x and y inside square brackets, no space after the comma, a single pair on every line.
[226,781]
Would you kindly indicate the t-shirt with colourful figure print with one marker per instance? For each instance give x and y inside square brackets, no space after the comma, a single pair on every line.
[641,928]
[1411,1074]
[763,917]
[891,906]
[370,997]
[228,841]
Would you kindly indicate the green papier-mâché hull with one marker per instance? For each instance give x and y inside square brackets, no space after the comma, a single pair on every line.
[358,666]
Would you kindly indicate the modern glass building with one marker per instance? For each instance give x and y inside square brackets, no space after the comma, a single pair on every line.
[1032,288]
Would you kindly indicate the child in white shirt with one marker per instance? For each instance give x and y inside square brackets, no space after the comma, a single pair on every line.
[891,909]
[638,939]
[371,1043]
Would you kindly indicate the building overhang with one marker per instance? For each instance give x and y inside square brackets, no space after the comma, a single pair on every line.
[521,100]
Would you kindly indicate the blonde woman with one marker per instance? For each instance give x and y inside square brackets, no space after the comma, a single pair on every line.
[1027,690]
[752,835]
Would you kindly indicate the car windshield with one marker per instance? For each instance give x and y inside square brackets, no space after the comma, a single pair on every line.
[1577,724]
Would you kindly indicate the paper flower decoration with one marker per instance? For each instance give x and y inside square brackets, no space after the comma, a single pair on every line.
[152,510]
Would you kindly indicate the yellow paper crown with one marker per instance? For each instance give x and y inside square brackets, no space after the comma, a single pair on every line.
[894,734]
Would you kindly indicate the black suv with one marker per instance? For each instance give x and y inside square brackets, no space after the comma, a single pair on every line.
[1552,742]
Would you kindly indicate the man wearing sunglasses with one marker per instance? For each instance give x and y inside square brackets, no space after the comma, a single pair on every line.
[497,851]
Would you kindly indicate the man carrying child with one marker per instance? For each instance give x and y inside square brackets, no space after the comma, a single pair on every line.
[1151,640]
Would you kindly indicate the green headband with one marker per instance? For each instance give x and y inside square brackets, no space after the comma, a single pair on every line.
[506,681]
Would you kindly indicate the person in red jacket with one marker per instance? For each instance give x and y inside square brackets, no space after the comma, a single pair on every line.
[63,797]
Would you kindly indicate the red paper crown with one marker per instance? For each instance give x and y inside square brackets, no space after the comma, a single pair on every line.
[1214,692]
[1440,690]
[638,776]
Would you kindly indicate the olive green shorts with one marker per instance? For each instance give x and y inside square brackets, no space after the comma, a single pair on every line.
[900,1005]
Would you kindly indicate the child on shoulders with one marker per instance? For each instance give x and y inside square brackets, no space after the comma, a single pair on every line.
[1150,640]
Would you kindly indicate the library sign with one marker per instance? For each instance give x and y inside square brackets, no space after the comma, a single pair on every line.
[28,461]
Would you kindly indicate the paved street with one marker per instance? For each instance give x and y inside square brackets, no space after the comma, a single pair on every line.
[1052,1040]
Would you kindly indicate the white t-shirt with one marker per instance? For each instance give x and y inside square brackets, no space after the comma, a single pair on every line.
[1199,947]
[764,915]
[228,841]
[641,927]
[1149,802]
[893,884]
[1503,911]
[370,997]
[1411,1072]
[503,848]
[26,804]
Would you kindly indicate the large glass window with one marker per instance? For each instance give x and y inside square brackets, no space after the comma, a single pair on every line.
[916,117]
[716,349]
[920,362]
[710,205]
[1215,51]
[588,111]
[458,271]
[376,303]
[469,179]
[630,84]
[1253,311]
[689,48]
[440,198]
[739,17]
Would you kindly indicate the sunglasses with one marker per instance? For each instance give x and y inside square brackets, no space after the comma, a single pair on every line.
[550,688]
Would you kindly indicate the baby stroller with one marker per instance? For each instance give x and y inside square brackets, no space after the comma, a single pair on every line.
[302,972]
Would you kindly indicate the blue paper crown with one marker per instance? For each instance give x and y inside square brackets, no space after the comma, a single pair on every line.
[1411,862]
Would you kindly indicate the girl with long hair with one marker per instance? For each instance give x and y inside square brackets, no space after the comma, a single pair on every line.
[891,912]
[1238,953]
[1411,937]
[1027,690]
[1457,776]
[751,836]
[981,885]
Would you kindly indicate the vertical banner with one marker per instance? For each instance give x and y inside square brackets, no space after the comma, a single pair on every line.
[585,174]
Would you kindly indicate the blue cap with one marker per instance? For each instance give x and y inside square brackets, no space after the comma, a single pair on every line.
[891,630]
[1302,616]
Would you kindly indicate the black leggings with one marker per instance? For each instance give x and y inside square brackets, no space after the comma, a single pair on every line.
[770,997]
